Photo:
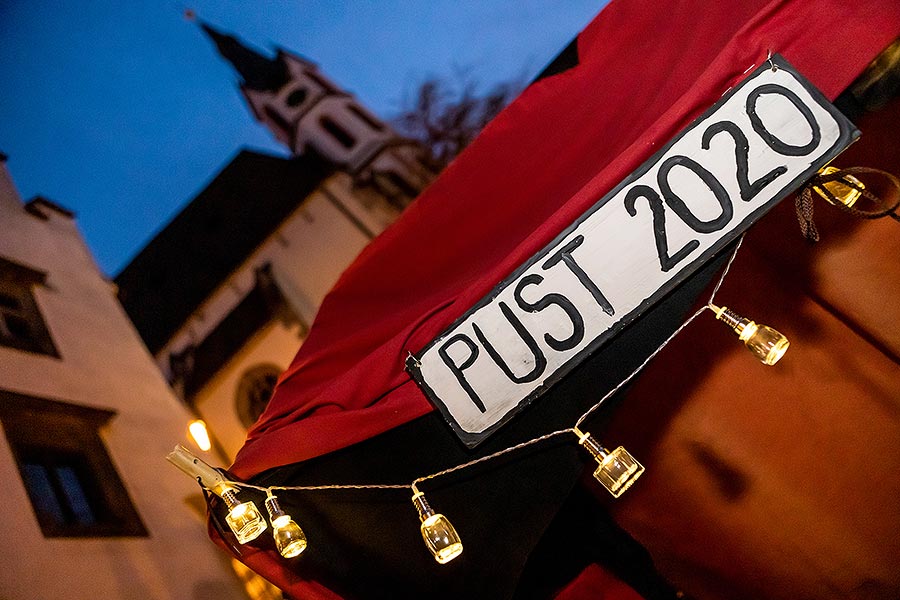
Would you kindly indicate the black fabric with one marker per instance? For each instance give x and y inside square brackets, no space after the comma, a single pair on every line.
[581,534]
[564,61]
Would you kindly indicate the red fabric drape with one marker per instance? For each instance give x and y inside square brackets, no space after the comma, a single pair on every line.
[644,73]
[596,584]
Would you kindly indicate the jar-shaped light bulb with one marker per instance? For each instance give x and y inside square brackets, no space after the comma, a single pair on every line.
[243,518]
[617,470]
[441,538]
[765,343]
[289,538]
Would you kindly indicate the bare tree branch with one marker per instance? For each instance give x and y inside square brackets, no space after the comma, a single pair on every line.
[445,118]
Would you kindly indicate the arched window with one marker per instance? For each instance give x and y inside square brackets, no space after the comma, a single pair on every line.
[343,137]
[254,391]
[402,184]
[296,97]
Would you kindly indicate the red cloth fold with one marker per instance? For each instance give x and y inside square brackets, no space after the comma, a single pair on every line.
[594,583]
[645,72]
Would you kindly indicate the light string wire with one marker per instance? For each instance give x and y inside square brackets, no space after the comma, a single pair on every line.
[575,429]
[653,354]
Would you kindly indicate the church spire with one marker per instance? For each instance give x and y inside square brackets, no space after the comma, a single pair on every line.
[257,71]
[309,113]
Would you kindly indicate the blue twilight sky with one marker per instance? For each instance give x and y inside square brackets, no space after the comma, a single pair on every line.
[123,111]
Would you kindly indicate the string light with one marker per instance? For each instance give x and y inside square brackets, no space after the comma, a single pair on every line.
[847,190]
[439,534]
[765,343]
[243,517]
[617,470]
[289,538]
[840,188]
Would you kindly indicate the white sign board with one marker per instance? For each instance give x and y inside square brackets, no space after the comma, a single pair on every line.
[760,142]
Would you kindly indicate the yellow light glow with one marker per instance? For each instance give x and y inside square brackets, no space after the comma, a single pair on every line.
[441,538]
[244,519]
[239,511]
[845,190]
[617,470]
[289,538]
[439,534]
[198,431]
[765,343]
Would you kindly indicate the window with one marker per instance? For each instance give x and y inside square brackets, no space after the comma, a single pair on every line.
[296,97]
[254,391]
[342,136]
[61,486]
[21,324]
[74,488]
[402,184]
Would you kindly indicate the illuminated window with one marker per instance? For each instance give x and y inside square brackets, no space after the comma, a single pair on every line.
[21,325]
[75,490]
[254,391]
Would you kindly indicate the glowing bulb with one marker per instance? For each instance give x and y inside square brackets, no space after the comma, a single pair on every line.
[289,538]
[243,517]
[846,190]
[617,470]
[197,427]
[765,343]
[441,538]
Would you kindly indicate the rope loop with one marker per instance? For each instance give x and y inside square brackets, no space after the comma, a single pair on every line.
[845,178]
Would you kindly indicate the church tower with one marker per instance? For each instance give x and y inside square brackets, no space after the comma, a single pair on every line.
[309,113]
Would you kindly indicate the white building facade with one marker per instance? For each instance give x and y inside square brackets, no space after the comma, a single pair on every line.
[92,509]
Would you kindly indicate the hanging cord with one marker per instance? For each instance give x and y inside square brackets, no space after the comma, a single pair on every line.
[640,367]
[804,206]
[526,443]
[217,520]
[804,202]
[492,456]
[349,486]
[404,486]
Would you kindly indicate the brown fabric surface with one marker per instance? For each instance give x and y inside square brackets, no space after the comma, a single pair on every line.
[781,482]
